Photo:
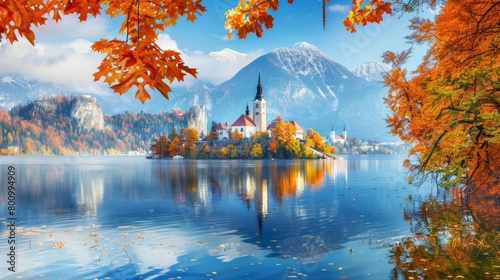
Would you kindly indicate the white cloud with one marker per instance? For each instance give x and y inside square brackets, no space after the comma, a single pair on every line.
[70,65]
[209,68]
[71,27]
[338,8]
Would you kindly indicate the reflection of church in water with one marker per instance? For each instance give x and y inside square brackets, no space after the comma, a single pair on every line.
[255,187]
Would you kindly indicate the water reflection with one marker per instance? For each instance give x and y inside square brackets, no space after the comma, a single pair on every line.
[118,217]
[451,240]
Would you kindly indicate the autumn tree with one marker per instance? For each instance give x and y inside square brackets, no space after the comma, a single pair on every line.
[284,142]
[189,138]
[314,139]
[256,151]
[173,147]
[449,107]
[161,146]
[236,136]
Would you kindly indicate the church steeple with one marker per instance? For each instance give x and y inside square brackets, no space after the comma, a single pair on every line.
[259,109]
[247,111]
[259,95]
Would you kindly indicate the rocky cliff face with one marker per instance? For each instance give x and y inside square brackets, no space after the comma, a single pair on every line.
[197,118]
[87,114]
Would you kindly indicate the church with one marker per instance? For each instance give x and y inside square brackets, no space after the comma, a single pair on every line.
[334,138]
[247,124]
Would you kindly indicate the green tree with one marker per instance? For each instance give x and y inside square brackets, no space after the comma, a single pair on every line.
[173,134]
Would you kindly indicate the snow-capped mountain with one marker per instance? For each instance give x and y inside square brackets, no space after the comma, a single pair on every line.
[300,83]
[227,55]
[371,70]
[15,90]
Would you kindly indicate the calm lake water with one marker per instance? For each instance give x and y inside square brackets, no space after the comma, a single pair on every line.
[133,218]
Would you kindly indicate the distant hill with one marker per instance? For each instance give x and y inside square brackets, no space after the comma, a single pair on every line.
[70,124]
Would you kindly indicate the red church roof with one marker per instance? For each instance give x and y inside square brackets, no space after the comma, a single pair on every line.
[244,120]
[296,125]
[221,126]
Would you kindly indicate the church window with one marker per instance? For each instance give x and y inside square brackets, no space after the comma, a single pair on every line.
[241,129]
[256,113]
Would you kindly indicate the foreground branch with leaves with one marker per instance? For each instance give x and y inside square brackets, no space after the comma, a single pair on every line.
[137,61]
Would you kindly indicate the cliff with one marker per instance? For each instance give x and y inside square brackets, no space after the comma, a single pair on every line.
[197,118]
[87,114]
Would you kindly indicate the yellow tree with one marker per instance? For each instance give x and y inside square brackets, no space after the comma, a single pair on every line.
[236,136]
[284,141]
[449,108]
[256,151]
[137,61]
[314,139]
[190,136]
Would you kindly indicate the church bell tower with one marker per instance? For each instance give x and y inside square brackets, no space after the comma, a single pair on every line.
[259,109]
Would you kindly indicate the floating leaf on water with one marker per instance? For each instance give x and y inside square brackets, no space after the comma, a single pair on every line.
[214,272]
[122,227]
[343,277]
[341,268]
[58,244]
[200,242]
[93,234]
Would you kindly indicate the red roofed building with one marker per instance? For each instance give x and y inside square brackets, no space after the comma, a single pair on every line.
[178,113]
[223,130]
[244,125]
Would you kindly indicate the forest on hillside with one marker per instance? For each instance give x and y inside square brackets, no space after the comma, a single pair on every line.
[45,130]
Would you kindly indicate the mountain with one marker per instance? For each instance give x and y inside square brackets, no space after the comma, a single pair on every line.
[16,90]
[371,70]
[227,55]
[300,83]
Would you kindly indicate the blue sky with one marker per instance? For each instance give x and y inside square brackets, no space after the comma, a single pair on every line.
[62,52]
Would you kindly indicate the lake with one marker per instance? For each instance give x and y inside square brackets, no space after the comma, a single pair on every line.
[126,217]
